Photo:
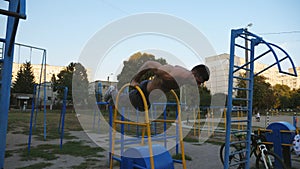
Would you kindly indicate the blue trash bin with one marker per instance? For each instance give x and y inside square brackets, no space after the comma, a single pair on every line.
[282,133]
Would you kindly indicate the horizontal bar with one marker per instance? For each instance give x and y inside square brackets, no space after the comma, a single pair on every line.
[238,98]
[13,14]
[28,46]
[242,47]
[177,161]
[287,131]
[238,131]
[238,163]
[117,158]
[129,122]
[239,121]
[242,78]
[240,88]
[2,40]
[161,120]
[241,67]
[266,130]
[101,103]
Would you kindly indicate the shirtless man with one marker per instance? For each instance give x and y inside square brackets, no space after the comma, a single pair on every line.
[166,78]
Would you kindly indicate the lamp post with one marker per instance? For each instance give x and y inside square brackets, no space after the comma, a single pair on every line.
[247,56]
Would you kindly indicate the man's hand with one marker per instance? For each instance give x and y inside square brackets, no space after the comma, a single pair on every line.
[134,83]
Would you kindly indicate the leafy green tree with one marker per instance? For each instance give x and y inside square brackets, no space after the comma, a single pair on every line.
[283,96]
[65,79]
[132,66]
[80,84]
[24,82]
[295,99]
[263,94]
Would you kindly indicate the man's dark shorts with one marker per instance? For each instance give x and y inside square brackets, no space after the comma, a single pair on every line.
[136,98]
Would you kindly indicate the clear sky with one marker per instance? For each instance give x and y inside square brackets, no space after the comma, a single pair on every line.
[63,27]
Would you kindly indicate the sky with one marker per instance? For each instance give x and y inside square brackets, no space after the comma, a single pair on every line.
[64,28]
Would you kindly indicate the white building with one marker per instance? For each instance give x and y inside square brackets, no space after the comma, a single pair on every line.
[219,69]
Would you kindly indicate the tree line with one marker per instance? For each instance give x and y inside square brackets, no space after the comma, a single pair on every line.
[265,96]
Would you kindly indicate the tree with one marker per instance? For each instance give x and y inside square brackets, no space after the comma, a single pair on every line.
[24,82]
[283,96]
[132,66]
[295,99]
[65,79]
[80,85]
[263,95]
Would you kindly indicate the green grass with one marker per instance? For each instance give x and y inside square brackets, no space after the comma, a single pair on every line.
[178,157]
[50,152]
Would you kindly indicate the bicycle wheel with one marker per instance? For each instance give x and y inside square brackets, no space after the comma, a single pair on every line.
[233,158]
[270,160]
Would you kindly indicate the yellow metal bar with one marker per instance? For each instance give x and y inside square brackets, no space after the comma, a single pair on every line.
[180,130]
[143,136]
[147,121]
[114,125]
[194,126]
[199,121]
[130,122]
[287,131]
[161,120]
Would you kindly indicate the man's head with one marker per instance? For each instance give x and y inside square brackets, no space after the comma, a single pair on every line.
[201,73]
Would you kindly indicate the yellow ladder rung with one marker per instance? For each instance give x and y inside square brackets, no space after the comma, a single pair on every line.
[130,122]
[161,120]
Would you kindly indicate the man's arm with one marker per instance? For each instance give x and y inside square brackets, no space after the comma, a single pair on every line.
[147,66]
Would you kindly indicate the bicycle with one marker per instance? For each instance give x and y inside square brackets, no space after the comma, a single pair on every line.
[264,157]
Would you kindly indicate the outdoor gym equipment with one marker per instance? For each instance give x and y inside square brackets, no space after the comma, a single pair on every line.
[238,36]
[151,156]
[15,12]
[61,119]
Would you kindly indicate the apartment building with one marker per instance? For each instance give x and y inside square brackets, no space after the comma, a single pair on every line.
[36,69]
[219,67]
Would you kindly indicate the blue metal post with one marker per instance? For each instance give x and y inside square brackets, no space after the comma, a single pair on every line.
[31,117]
[165,128]
[110,132]
[15,7]
[177,132]
[229,102]
[63,116]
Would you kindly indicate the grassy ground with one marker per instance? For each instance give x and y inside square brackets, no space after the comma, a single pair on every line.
[45,151]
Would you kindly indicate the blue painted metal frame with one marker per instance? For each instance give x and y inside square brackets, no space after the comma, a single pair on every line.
[61,123]
[254,41]
[16,10]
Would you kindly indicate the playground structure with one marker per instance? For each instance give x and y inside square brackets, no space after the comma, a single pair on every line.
[34,113]
[151,156]
[15,12]
[237,36]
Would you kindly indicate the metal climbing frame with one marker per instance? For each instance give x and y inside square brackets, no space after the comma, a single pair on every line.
[16,10]
[146,127]
[235,70]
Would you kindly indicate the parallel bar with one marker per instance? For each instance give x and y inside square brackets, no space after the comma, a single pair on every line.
[129,122]
[240,67]
[240,88]
[242,99]
[239,121]
[2,40]
[242,47]
[241,78]
[13,14]
[167,121]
